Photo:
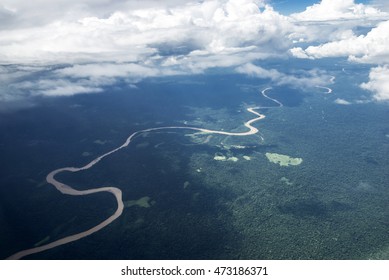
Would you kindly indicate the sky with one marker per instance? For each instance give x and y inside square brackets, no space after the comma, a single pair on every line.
[287,7]
[67,47]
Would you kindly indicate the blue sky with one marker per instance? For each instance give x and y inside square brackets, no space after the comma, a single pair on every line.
[295,6]
[290,6]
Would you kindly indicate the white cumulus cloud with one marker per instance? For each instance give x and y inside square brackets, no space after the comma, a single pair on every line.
[328,10]
[369,48]
[132,35]
[378,83]
[334,20]
[341,101]
[130,42]
[300,80]
[90,44]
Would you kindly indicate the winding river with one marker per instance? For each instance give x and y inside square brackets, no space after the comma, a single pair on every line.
[116,192]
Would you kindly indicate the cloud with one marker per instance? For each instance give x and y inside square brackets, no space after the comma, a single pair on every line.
[68,89]
[17,82]
[50,86]
[103,46]
[342,102]
[92,44]
[381,4]
[194,34]
[12,76]
[330,10]
[113,70]
[300,80]
[27,14]
[378,83]
[84,46]
[333,20]
[138,34]
[6,16]
[370,48]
